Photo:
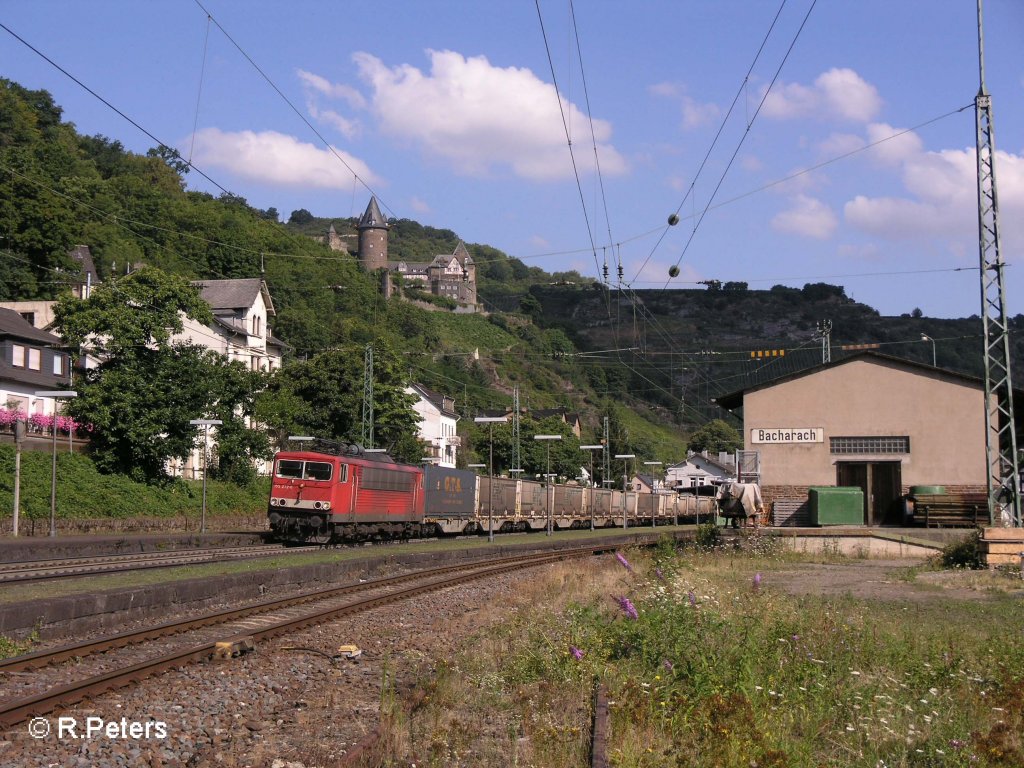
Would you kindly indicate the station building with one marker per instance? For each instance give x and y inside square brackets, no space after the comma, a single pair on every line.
[872,421]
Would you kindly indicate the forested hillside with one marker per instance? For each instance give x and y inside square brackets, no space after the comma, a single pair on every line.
[651,361]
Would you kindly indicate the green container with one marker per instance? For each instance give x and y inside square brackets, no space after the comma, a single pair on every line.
[836,506]
[927,490]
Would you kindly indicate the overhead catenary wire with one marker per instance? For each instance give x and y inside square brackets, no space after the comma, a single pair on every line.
[295,109]
[746,133]
[721,127]
[568,135]
[65,72]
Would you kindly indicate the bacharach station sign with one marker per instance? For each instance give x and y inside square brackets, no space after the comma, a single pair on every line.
[788,435]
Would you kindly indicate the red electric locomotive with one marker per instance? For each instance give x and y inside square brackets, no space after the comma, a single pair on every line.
[319,496]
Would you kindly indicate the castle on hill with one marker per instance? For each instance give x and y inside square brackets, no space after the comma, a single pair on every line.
[450,275]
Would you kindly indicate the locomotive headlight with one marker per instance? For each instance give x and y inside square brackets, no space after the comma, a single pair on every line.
[327,505]
[317,505]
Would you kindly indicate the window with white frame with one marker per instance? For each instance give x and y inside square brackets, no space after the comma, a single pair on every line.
[35,359]
[58,364]
[18,356]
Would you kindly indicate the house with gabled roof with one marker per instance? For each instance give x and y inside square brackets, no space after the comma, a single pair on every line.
[870,421]
[240,329]
[700,469]
[438,422]
[31,360]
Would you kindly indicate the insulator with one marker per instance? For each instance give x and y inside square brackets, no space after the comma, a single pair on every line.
[673,271]
[673,219]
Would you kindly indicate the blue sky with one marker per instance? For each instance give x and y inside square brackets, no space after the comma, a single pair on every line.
[446,111]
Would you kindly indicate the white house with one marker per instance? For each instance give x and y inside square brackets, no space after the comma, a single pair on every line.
[699,469]
[240,328]
[438,421]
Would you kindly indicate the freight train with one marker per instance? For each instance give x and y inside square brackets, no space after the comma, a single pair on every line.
[352,495]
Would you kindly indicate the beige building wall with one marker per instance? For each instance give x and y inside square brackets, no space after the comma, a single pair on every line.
[942,415]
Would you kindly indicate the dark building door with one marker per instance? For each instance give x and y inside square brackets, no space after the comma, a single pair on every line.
[881,482]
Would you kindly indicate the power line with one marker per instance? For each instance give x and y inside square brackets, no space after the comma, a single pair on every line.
[294,109]
[746,133]
[57,66]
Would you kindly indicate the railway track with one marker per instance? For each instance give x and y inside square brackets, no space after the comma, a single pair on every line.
[39,570]
[36,684]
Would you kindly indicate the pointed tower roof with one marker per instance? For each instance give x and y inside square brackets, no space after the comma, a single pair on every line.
[462,253]
[373,218]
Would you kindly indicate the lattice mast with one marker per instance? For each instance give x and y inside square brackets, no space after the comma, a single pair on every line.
[1003,475]
[606,454]
[516,458]
[825,332]
[367,431]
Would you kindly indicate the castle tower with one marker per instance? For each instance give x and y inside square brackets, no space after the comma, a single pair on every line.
[373,238]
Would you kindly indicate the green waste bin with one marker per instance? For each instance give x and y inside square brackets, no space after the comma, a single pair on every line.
[836,506]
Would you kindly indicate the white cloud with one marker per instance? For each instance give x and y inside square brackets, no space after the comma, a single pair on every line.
[347,128]
[275,158]
[667,90]
[839,144]
[837,93]
[322,85]
[808,217]
[418,205]
[896,150]
[696,114]
[751,163]
[941,198]
[482,118]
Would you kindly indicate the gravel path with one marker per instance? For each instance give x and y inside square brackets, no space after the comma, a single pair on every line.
[284,703]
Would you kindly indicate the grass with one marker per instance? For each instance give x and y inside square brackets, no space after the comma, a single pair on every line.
[84,493]
[720,668]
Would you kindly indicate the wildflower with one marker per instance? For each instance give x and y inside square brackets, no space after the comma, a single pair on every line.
[576,652]
[659,574]
[625,563]
[956,743]
[668,665]
[693,598]
[627,607]
[757,581]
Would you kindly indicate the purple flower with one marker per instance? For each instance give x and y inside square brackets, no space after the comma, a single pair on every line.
[693,598]
[757,581]
[576,652]
[625,563]
[668,665]
[627,607]
[659,574]
[956,743]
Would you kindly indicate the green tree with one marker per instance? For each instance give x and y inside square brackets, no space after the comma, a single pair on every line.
[140,406]
[125,315]
[715,436]
[144,392]
[323,397]
[239,445]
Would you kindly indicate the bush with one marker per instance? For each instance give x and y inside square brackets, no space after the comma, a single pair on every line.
[965,553]
[708,536]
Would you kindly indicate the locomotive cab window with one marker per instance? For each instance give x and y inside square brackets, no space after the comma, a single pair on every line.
[289,468]
[317,470]
[343,473]
[304,470]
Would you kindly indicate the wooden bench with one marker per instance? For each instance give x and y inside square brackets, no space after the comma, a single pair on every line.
[951,510]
